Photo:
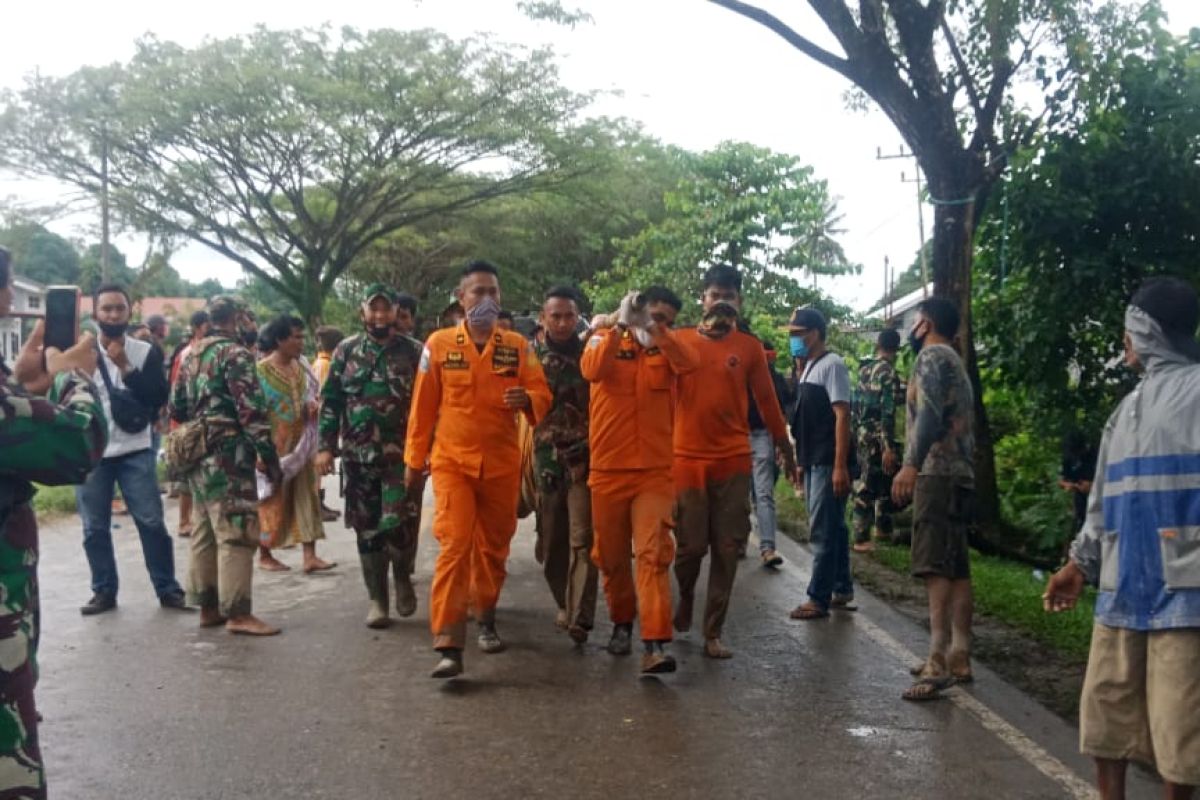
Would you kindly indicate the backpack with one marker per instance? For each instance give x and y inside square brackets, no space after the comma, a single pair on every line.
[193,441]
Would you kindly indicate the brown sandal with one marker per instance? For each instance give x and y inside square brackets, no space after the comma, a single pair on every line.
[809,610]
[928,688]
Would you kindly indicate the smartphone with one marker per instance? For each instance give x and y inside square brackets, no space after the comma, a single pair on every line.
[62,317]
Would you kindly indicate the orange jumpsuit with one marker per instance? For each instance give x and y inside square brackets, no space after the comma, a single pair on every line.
[475,463]
[631,418]
[713,463]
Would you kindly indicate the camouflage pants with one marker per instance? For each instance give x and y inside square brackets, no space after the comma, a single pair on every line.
[21,774]
[222,562]
[378,511]
[872,505]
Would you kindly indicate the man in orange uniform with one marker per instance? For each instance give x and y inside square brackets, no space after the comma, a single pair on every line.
[472,382]
[713,461]
[633,361]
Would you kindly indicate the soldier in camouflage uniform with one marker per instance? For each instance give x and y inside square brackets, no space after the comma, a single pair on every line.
[880,390]
[560,461]
[219,382]
[52,441]
[365,401]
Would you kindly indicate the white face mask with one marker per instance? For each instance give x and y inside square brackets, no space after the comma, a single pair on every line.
[643,337]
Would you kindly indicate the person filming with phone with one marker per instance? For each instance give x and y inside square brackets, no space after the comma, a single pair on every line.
[53,440]
[132,383]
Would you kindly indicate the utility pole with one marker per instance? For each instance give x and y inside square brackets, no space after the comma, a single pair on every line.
[879,156]
[104,277]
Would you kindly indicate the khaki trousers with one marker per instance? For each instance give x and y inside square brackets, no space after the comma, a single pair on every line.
[222,558]
[712,518]
[565,527]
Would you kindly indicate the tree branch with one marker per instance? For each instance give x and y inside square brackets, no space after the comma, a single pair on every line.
[839,65]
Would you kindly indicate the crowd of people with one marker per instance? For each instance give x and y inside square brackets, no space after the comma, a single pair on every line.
[638,445]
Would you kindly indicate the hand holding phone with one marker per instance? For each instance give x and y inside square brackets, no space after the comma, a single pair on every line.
[62,317]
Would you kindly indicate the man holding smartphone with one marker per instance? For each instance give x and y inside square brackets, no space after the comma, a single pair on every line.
[134,370]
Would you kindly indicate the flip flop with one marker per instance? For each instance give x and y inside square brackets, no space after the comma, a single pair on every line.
[929,688]
[809,611]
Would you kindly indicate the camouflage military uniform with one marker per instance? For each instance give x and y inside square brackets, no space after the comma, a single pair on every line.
[55,441]
[564,502]
[219,382]
[879,391]
[365,401]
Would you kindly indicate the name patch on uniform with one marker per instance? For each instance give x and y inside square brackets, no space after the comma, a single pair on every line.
[626,355]
[454,355]
[455,360]
[504,357]
[652,351]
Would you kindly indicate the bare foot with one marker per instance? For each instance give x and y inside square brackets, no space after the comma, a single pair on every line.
[317,565]
[714,649]
[270,563]
[211,618]
[250,625]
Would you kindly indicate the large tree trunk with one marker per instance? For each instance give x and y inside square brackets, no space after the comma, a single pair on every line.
[953,247]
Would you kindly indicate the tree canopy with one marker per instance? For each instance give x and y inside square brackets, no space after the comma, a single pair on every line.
[292,152]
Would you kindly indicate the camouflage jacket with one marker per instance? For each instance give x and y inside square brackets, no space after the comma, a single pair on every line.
[560,441]
[941,405]
[879,392]
[366,399]
[53,441]
[219,382]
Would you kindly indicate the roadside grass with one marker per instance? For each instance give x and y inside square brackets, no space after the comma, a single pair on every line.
[54,501]
[1006,590]
[1012,593]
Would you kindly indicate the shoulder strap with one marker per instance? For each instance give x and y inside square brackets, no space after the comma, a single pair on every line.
[103,367]
[808,367]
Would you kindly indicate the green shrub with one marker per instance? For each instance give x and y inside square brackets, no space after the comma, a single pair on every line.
[1027,471]
[54,501]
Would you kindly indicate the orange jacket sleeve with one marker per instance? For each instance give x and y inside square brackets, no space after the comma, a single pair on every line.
[599,355]
[681,357]
[534,381]
[422,416]
[763,389]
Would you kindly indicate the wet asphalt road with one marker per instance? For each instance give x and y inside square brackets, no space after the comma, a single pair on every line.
[141,703]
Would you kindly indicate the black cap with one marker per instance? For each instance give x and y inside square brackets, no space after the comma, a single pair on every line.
[1174,305]
[808,318]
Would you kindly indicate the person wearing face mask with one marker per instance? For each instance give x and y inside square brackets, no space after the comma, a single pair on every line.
[218,383]
[472,382]
[633,361]
[135,369]
[938,476]
[713,461]
[1140,542]
[820,422]
[365,404]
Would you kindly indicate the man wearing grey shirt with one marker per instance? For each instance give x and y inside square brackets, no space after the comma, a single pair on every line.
[938,476]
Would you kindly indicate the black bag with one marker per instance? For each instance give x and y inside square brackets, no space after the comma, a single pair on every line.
[127,411]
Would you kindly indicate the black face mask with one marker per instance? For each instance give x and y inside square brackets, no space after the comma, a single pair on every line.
[380,332]
[113,330]
[915,343]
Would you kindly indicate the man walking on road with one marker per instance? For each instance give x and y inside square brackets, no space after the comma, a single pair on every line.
[130,372]
[633,362]
[219,384]
[766,464]
[472,382]
[938,476]
[560,464]
[1141,544]
[821,424]
[712,466]
[366,401]
[878,392]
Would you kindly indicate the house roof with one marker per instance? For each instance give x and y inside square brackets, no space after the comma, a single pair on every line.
[176,308]
[903,304]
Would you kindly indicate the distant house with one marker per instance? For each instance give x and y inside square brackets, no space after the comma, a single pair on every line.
[176,310]
[28,298]
[901,313]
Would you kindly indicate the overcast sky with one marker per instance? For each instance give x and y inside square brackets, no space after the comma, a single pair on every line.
[692,73]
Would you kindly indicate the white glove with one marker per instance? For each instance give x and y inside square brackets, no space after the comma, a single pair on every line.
[631,314]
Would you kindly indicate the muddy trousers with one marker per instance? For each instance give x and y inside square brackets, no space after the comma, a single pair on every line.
[474,522]
[377,554]
[222,558]
[713,519]
[631,515]
[564,523]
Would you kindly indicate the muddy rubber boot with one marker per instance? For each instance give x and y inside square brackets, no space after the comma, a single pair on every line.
[375,576]
[406,595]
[489,640]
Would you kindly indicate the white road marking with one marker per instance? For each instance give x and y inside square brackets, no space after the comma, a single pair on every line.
[1026,748]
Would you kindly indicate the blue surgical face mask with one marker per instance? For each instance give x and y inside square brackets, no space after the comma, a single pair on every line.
[798,346]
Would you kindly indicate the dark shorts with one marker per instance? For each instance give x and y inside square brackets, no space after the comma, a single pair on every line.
[942,510]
